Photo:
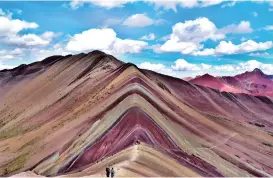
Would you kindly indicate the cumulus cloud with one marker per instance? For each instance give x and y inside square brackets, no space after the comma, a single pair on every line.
[165,4]
[157,67]
[100,39]
[150,36]
[40,54]
[248,46]
[127,46]
[104,39]
[102,3]
[183,65]
[210,3]
[151,66]
[141,20]
[226,67]
[29,40]
[6,55]
[242,27]
[182,47]
[16,53]
[187,37]
[9,33]
[252,64]
[10,27]
[229,48]
[198,30]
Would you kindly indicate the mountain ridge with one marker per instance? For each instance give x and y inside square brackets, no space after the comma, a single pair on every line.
[254,83]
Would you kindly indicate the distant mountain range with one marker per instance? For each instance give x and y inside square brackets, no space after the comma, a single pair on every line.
[254,83]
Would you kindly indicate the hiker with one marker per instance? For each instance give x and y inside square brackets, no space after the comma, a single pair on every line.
[107,171]
[112,172]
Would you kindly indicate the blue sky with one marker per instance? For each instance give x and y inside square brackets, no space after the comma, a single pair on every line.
[178,38]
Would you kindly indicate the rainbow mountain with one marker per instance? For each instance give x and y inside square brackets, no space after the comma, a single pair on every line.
[74,115]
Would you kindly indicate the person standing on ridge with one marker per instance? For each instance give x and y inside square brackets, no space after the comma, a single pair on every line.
[112,172]
[108,171]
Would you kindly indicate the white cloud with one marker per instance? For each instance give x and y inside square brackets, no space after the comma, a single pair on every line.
[269,27]
[186,37]
[175,46]
[205,66]
[127,46]
[6,13]
[17,51]
[207,3]
[105,40]
[160,68]
[100,39]
[49,35]
[229,4]
[259,54]
[141,20]
[183,65]
[10,28]
[40,54]
[205,52]
[242,27]
[165,38]
[151,66]
[252,64]
[198,30]
[226,67]
[248,46]
[2,52]
[166,4]
[102,3]
[28,40]
[13,26]
[228,48]
[150,36]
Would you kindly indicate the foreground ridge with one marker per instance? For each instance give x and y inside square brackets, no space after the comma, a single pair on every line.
[74,115]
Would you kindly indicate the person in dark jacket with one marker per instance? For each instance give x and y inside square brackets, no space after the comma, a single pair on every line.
[112,172]
[108,171]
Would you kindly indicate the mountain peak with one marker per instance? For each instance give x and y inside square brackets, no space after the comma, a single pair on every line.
[208,75]
[257,70]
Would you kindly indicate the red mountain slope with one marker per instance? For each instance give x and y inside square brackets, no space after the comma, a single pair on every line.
[254,83]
